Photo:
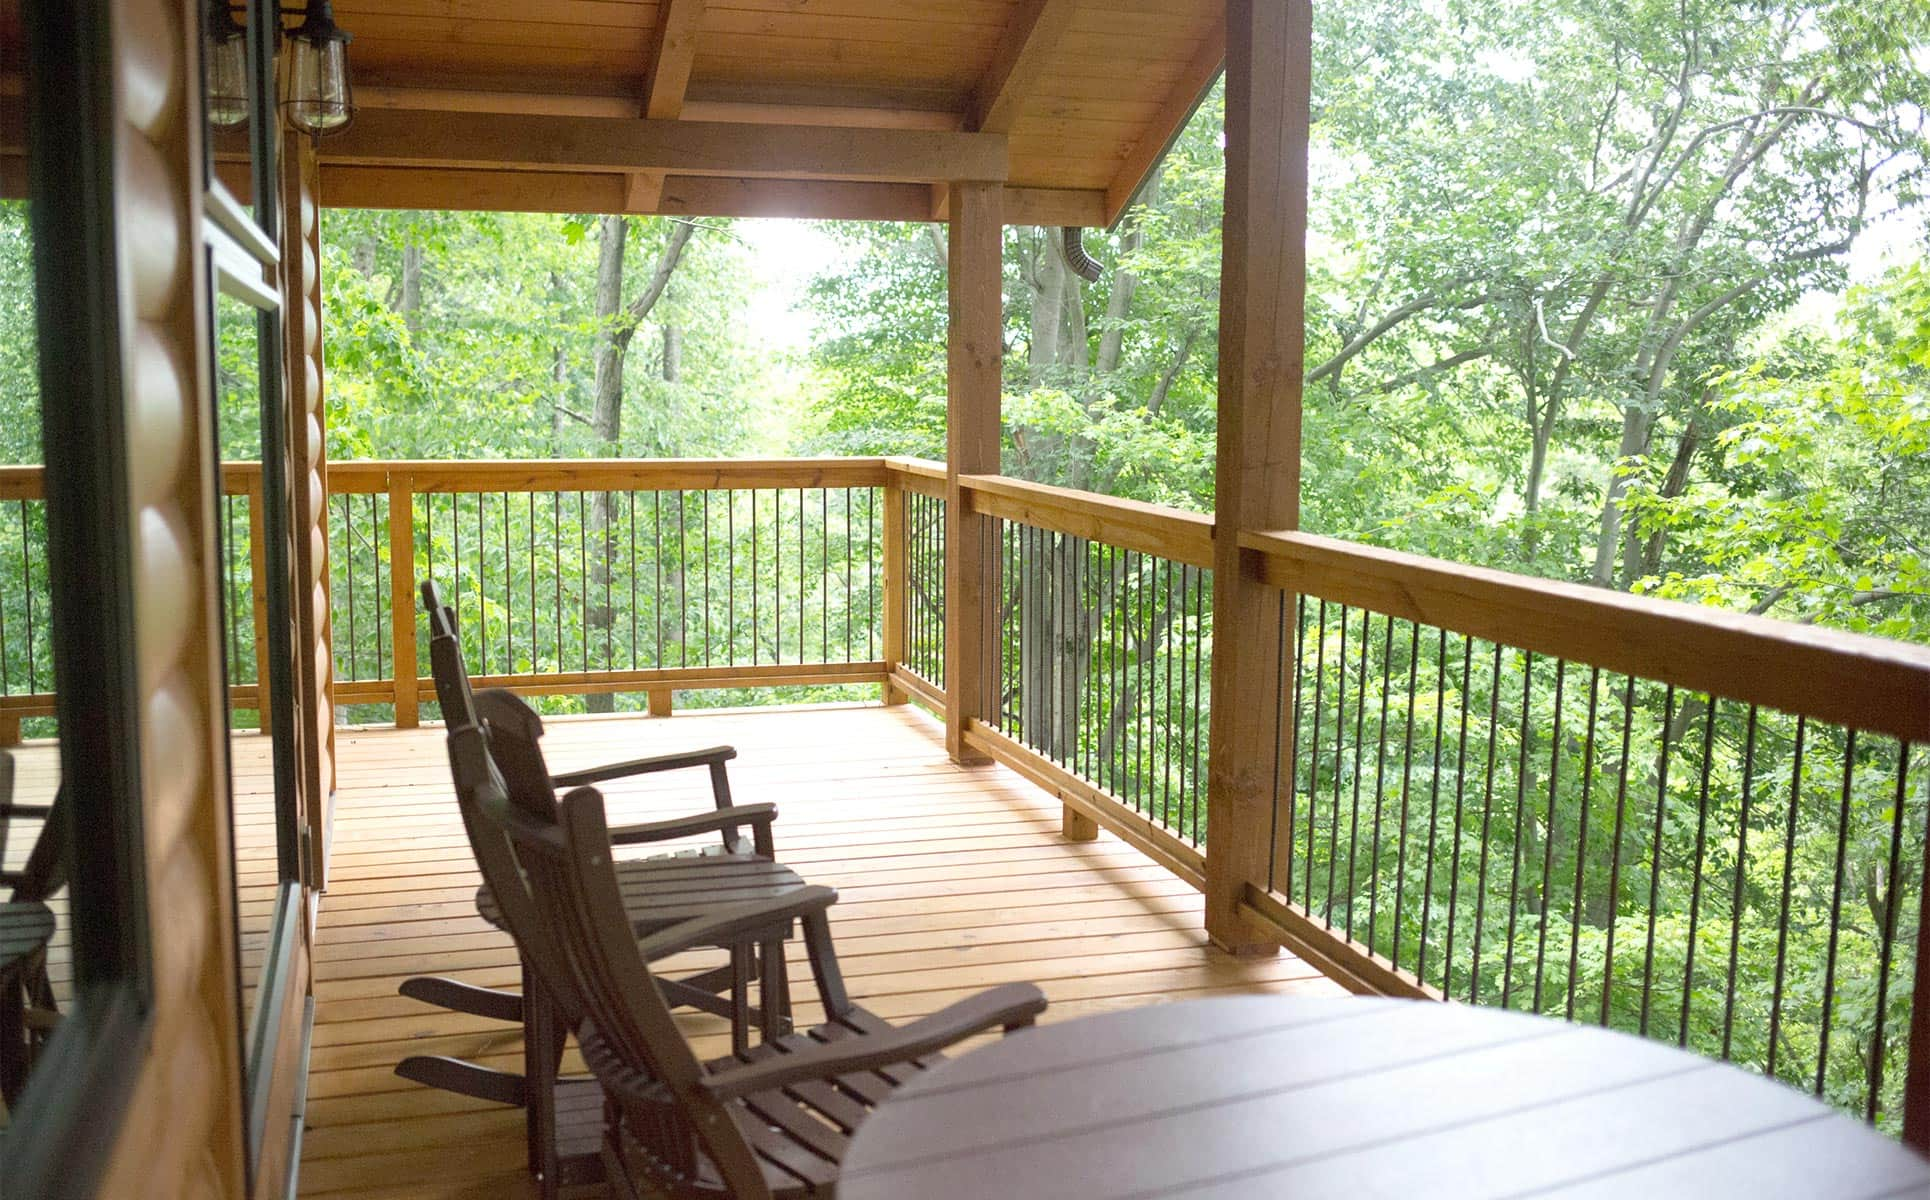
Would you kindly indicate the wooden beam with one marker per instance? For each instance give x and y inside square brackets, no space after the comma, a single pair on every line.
[1164,129]
[1263,274]
[673,46]
[347,185]
[973,369]
[543,142]
[1019,62]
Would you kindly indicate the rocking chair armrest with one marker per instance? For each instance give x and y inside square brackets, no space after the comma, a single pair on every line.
[710,756]
[728,924]
[754,815]
[1010,1006]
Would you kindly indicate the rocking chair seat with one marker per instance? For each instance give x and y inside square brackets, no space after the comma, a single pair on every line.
[661,891]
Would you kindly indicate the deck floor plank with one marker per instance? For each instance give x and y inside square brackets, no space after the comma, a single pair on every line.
[950,880]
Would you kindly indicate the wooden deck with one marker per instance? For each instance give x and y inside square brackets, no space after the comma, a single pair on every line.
[950,879]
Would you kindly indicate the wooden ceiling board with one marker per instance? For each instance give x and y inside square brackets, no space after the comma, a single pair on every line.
[1097,101]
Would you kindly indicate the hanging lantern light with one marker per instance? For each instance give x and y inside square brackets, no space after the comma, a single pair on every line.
[315,86]
[227,67]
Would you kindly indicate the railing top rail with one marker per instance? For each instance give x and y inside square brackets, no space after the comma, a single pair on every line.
[612,474]
[1861,682]
[544,475]
[1172,533]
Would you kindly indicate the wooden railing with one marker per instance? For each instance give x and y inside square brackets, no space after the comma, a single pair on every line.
[1687,823]
[1693,825]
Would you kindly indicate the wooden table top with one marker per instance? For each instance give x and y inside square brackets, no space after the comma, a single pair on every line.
[25,926]
[1286,1097]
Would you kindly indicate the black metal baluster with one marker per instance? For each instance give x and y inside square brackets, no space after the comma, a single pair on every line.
[801,576]
[535,617]
[1313,758]
[1789,876]
[1380,780]
[848,605]
[1695,882]
[1615,850]
[1280,752]
[382,603]
[1199,669]
[583,576]
[824,575]
[1433,799]
[683,582]
[1520,819]
[27,574]
[730,574]
[777,572]
[1487,818]
[1736,897]
[1874,1095]
[1835,909]
[1460,798]
[1655,855]
[1581,838]
[1407,786]
[706,496]
[630,518]
[872,554]
[1340,749]
[6,665]
[1360,741]
[556,567]
[482,585]
[1548,842]
[348,566]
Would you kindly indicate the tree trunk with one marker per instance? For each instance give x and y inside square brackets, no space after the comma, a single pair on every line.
[410,305]
[616,325]
[1672,487]
[1075,352]
[1636,423]
[1119,300]
[673,353]
[1047,283]
[606,420]
[1164,385]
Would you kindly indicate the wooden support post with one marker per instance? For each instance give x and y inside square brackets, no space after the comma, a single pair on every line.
[1263,274]
[974,360]
[1077,825]
[258,594]
[402,618]
[659,702]
[893,550]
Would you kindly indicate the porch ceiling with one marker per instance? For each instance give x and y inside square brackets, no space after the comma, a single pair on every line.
[1068,102]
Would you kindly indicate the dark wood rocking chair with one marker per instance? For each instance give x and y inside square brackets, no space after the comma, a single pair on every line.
[27,1010]
[773,1122]
[659,892]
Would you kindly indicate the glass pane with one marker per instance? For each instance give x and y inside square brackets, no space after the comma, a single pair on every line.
[36,977]
[229,95]
[237,378]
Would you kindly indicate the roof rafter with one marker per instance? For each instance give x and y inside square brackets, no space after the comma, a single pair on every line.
[1018,63]
[673,47]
